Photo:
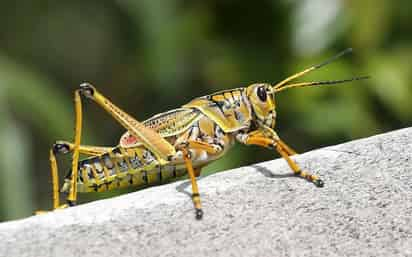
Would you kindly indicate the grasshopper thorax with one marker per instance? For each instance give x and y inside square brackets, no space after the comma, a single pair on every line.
[262,100]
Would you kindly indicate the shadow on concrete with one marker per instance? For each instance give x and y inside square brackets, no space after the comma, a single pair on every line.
[181,188]
[268,173]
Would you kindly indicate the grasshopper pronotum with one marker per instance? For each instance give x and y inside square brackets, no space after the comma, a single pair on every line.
[180,141]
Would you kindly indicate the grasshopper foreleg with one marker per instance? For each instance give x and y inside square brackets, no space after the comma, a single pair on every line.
[285,147]
[263,139]
[60,148]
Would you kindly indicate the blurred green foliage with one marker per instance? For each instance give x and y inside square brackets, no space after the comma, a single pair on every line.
[149,56]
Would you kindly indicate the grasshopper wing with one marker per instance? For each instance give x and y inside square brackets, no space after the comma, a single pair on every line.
[166,124]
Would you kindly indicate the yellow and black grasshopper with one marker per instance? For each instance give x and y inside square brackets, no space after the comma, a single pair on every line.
[177,142]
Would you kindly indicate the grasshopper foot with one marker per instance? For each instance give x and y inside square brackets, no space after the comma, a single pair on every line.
[318,182]
[71,203]
[199,214]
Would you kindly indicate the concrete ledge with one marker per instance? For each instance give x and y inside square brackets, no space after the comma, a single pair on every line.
[365,209]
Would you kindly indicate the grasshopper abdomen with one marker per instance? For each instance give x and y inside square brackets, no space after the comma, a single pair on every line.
[122,168]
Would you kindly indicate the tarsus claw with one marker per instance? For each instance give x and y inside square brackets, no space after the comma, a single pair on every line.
[199,214]
[318,183]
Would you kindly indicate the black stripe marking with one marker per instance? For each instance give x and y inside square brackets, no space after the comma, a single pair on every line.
[237,117]
[107,160]
[116,150]
[94,186]
[80,176]
[160,174]
[243,97]
[237,100]
[144,177]
[233,97]
[226,91]
[220,107]
[190,132]
[135,161]
[174,171]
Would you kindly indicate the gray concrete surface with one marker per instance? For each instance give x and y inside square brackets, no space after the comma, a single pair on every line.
[365,209]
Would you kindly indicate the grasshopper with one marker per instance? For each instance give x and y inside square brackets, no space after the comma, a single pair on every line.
[177,142]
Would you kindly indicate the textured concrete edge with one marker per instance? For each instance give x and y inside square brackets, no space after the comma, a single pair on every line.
[97,211]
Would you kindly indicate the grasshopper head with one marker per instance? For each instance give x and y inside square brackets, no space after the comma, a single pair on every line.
[262,95]
[262,100]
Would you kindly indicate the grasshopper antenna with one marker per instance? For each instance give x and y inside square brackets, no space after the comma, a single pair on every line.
[300,74]
[319,83]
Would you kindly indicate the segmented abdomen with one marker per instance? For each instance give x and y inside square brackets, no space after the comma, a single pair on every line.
[122,168]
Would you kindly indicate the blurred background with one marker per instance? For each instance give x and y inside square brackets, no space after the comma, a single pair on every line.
[149,56]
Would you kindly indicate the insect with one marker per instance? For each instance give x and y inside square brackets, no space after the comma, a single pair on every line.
[177,142]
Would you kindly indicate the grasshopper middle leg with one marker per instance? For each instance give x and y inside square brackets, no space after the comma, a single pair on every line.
[190,150]
[195,189]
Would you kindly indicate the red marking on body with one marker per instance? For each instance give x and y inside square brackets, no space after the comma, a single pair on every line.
[128,140]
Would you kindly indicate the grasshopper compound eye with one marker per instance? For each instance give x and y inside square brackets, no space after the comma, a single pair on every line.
[261,93]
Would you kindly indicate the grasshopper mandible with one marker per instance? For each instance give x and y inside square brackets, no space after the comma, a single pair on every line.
[177,142]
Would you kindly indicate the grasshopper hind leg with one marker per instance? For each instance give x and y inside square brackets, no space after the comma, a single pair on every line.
[64,147]
[55,180]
